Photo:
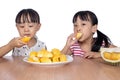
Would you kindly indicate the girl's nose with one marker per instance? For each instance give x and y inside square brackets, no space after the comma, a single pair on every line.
[78,29]
[26,28]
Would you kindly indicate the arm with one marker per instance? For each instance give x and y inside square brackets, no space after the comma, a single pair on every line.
[95,54]
[66,50]
[92,54]
[15,42]
[5,49]
[69,42]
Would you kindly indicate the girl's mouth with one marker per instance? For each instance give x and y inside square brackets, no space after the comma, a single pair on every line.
[28,35]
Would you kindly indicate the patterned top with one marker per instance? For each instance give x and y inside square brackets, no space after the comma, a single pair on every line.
[76,50]
[25,50]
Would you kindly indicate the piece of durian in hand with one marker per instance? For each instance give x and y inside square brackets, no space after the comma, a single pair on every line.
[78,35]
[26,39]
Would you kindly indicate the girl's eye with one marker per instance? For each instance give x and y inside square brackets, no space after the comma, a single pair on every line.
[30,26]
[75,25]
[83,24]
[21,26]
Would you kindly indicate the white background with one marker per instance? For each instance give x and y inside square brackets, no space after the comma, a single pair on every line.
[56,19]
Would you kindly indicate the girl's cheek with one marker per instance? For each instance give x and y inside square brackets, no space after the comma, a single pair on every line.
[75,31]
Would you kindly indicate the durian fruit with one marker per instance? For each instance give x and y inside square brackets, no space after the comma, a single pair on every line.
[36,59]
[56,59]
[45,56]
[30,59]
[33,54]
[44,53]
[55,52]
[78,35]
[26,39]
[33,59]
[63,58]
[45,60]
[41,53]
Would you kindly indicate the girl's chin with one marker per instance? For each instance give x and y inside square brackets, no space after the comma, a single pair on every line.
[28,35]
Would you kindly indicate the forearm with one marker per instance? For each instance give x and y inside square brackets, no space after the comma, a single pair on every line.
[66,50]
[5,49]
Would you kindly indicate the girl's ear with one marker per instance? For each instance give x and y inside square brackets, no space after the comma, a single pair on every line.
[94,28]
[38,27]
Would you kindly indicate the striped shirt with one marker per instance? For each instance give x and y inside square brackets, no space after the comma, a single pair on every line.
[76,50]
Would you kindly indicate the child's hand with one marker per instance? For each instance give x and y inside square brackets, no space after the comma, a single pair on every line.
[16,42]
[92,55]
[71,39]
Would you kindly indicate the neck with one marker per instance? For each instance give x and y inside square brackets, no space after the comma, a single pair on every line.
[86,45]
[32,42]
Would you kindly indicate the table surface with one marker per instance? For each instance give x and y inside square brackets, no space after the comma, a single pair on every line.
[14,68]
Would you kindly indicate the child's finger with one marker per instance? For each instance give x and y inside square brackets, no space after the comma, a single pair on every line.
[90,56]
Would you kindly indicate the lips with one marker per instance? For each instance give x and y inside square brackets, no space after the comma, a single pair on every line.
[28,35]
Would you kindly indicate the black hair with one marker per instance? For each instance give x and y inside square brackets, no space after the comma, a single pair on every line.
[90,16]
[25,14]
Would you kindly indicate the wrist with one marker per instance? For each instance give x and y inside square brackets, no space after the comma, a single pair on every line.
[10,46]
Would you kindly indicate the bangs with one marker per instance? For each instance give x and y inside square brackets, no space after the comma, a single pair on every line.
[83,17]
[86,16]
[23,19]
[27,16]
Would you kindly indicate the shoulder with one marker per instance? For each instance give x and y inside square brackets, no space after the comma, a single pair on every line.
[41,44]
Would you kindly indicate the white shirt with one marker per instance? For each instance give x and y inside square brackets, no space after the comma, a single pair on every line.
[25,50]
